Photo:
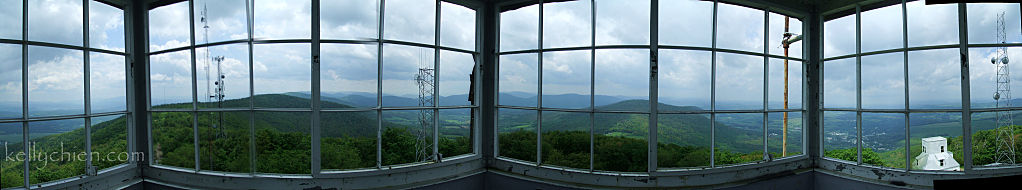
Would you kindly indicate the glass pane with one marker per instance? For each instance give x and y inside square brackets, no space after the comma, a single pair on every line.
[686,23]
[936,141]
[280,19]
[840,137]
[410,20]
[519,29]
[457,26]
[218,20]
[227,64]
[518,78]
[620,142]
[881,28]
[935,24]
[455,132]
[991,132]
[517,134]
[56,81]
[743,26]
[282,142]
[56,21]
[684,79]
[784,134]
[566,139]
[739,82]
[455,78]
[223,141]
[738,138]
[779,87]
[567,24]
[839,36]
[10,16]
[282,69]
[349,139]
[106,26]
[983,77]
[777,33]
[983,26]
[839,83]
[170,80]
[12,171]
[173,139]
[934,79]
[348,76]
[106,83]
[622,79]
[883,139]
[110,141]
[51,138]
[620,22]
[883,81]
[684,140]
[348,19]
[566,80]
[407,137]
[165,31]
[403,67]
[10,81]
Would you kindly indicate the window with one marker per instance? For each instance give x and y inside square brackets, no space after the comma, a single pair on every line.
[581,99]
[64,92]
[385,101]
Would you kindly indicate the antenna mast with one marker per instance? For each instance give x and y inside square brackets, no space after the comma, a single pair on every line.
[217,93]
[1005,153]
[424,79]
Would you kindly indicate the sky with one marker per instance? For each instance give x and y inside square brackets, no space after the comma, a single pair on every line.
[56,77]
[286,67]
[684,75]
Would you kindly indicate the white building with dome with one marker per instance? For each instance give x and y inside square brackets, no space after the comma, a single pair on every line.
[935,156]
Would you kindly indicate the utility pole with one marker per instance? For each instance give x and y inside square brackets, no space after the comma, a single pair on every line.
[788,39]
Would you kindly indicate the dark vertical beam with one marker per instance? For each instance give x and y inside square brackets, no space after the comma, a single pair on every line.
[813,77]
[488,72]
[137,38]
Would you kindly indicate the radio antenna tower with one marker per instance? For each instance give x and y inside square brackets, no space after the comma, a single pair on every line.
[217,92]
[1002,95]
[424,79]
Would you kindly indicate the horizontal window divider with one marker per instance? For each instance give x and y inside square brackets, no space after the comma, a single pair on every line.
[994,45]
[362,41]
[741,52]
[582,110]
[12,120]
[685,112]
[258,109]
[934,110]
[918,48]
[170,110]
[788,58]
[739,111]
[51,118]
[566,48]
[408,43]
[519,52]
[839,57]
[280,41]
[64,46]
[223,109]
[423,108]
[169,50]
[108,113]
[885,110]
[784,110]
[517,107]
[239,41]
[974,110]
[456,50]
[622,47]
[621,111]
[364,109]
[684,47]
[839,109]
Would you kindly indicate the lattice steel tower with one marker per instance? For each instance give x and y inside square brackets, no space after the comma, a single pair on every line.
[1002,95]
[217,93]
[424,79]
